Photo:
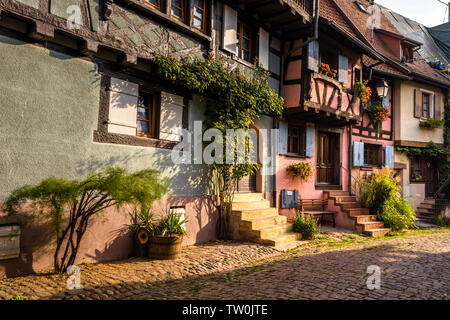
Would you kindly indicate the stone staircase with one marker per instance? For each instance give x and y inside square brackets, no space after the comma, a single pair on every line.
[430,208]
[254,220]
[358,217]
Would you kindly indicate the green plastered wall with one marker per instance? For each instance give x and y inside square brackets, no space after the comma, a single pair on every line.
[49,105]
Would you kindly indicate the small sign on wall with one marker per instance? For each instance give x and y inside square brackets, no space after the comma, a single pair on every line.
[9,241]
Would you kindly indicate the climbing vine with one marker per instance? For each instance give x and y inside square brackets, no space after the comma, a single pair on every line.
[440,154]
[234,101]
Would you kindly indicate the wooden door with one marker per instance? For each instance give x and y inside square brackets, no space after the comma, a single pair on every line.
[247,184]
[431,178]
[326,159]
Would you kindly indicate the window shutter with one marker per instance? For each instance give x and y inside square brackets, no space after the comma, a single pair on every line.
[437,106]
[264,48]
[343,69]
[310,142]
[417,103]
[282,137]
[386,99]
[389,157]
[358,154]
[230,21]
[171,117]
[123,99]
[313,56]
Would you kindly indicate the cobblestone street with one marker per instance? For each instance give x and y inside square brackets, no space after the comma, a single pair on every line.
[412,267]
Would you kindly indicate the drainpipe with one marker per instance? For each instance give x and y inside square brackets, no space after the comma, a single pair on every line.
[350,160]
[274,166]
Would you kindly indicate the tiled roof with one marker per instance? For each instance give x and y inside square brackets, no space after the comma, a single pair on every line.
[359,20]
[329,12]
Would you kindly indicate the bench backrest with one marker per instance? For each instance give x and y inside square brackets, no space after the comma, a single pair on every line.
[312,203]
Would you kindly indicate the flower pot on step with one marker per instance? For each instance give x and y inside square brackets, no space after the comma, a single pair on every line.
[165,248]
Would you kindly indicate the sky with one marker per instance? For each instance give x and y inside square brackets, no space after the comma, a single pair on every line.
[427,12]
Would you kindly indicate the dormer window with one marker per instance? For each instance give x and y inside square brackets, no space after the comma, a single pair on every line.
[361,7]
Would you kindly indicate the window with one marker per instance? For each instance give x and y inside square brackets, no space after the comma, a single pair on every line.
[153,3]
[199,14]
[426,108]
[296,141]
[329,57]
[372,154]
[417,169]
[244,42]
[361,7]
[178,10]
[146,115]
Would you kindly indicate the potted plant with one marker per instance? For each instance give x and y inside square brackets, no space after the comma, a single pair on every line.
[302,170]
[379,113]
[166,242]
[363,91]
[143,227]
[326,70]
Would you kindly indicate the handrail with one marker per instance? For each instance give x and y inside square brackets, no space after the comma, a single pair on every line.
[443,186]
[350,174]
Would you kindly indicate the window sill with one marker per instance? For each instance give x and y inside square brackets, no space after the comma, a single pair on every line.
[296,156]
[417,182]
[370,167]
[123,139]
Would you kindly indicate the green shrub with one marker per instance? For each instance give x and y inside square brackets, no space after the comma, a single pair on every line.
[381,195]
[441,221]
[307,227]
[172,225]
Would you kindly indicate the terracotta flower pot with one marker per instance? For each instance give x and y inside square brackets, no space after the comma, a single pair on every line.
[165,248]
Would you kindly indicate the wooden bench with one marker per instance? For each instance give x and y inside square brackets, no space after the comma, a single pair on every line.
[314,204]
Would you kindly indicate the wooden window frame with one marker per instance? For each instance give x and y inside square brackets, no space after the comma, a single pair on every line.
[204,16]
[301,138]
[151,96]
[158,7]
[240,34]
[428,106]
[367,148]
[182,8]
[422,163]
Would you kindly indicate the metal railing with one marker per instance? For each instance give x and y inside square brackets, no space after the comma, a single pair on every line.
[442,188]
[306,5]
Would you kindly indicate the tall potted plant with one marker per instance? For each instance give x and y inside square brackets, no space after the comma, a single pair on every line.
[143,227]
[166,242]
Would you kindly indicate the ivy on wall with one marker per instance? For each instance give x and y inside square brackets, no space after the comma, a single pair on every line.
[234,101]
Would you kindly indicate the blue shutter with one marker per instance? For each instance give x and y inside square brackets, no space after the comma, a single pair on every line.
[313,56]
[389,157]
[343,69]
[310,142]
[358,154]
[282,137]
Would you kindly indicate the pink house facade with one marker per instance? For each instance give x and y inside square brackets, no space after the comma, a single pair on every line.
[326,125]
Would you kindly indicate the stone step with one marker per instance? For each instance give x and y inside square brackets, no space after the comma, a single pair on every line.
[356,211]
[431,210]
[245,197]
[250,205]
[340,199]
[433,205]
[364,218]
[377,232]
[427,218]
[256,213]
[372,225]
[259,223]
[336,193]
[437,201]
[350,205]
[283,240]
[272,232]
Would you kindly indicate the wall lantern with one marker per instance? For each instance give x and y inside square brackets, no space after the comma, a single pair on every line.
[382,88]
